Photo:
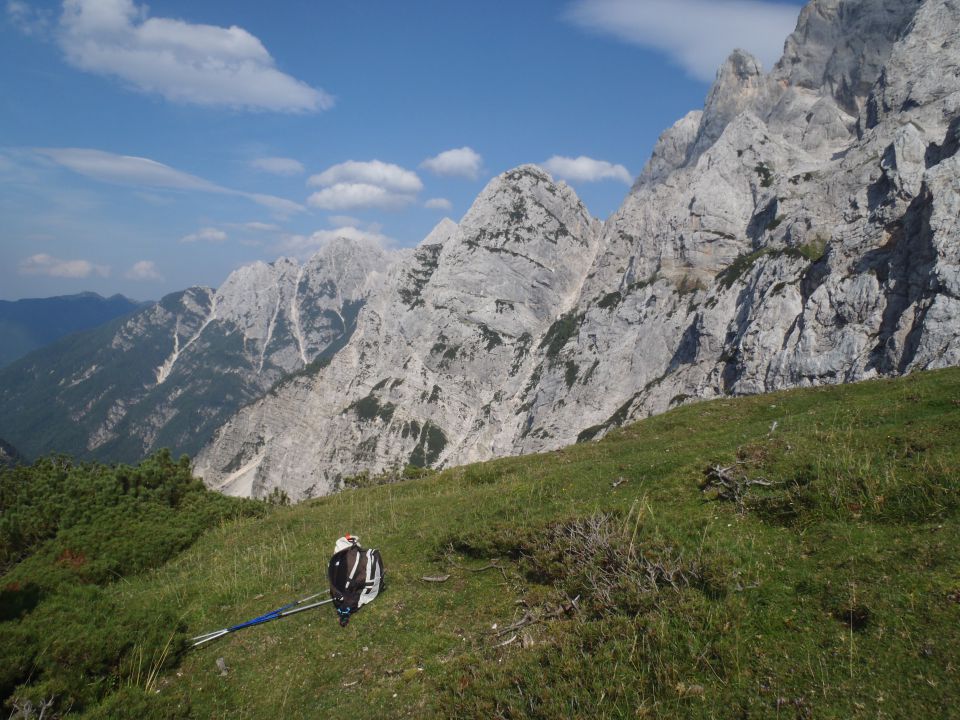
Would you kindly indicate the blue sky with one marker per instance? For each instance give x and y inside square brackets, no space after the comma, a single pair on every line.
[146,148]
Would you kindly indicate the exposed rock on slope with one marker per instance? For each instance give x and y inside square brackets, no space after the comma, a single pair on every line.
[804,246]
[167,376]
[8,455]
[801,229]
[441,358]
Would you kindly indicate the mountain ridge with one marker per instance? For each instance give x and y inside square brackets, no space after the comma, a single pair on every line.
[780,237]
[166,376]
[31,323]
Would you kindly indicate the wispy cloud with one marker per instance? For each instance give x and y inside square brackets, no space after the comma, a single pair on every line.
[304,246]
[28,20]
[279,165]
[257,226]
[463,162]
[438,204]
[585,169]
[143,172]
[183,62]
[43,264]
[143,270]
[356,185]
[698,35]
[212,235]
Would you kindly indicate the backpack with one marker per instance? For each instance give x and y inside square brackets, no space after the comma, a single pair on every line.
[356,576]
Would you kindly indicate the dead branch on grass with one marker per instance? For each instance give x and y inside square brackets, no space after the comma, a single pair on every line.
[731,483]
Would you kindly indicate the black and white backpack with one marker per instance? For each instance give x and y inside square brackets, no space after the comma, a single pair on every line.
[356,576]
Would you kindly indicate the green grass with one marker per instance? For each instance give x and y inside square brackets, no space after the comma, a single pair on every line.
[832,593]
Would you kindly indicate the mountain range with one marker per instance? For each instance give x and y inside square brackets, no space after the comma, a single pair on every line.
[801,229]
[169,374]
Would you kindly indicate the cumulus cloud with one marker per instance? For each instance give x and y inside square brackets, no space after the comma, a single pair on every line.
[356,196]
[279,165]
[584,169]
[303,246]
[385,175]
[209,234]
[698,35]
[464,162]
[43,264]
[438,204]
[183,62]
[355,185]
[143,172]
[143,270]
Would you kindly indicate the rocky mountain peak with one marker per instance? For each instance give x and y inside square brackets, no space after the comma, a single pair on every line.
[739,80]
[671,151]
[775,239]
[922,79]
[521,206]
[840,46]
[441,233]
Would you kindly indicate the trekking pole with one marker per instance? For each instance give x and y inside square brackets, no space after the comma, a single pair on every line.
[289,609]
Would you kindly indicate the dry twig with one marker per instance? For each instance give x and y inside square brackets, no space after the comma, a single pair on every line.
[731,483]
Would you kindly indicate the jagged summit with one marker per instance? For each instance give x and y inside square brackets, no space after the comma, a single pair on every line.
[168,375]
[840,47]
[800,229]
[440,356]
[765,244]
[441,233]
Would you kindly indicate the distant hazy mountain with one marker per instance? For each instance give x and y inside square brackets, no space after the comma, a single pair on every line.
[168,375]
[26,325]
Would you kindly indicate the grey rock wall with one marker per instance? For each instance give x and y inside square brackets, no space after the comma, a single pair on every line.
[801,229]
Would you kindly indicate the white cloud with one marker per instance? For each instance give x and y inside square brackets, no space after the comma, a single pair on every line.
[208,234]
[306,245]
[280,206]
[43,264]
[183,62]
[143,172]
[279,165]
[143,270]
[438,204]
[698,35]
[355,185]
[28,20]
[385,175]
[356,196]
[584,169]
[126,169]
[260,227]
[464,162]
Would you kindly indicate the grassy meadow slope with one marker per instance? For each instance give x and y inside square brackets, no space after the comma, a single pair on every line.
[832,591]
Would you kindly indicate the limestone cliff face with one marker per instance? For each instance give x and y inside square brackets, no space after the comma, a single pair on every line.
[804,245]
[801,229]
[441,358]
[170,374]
